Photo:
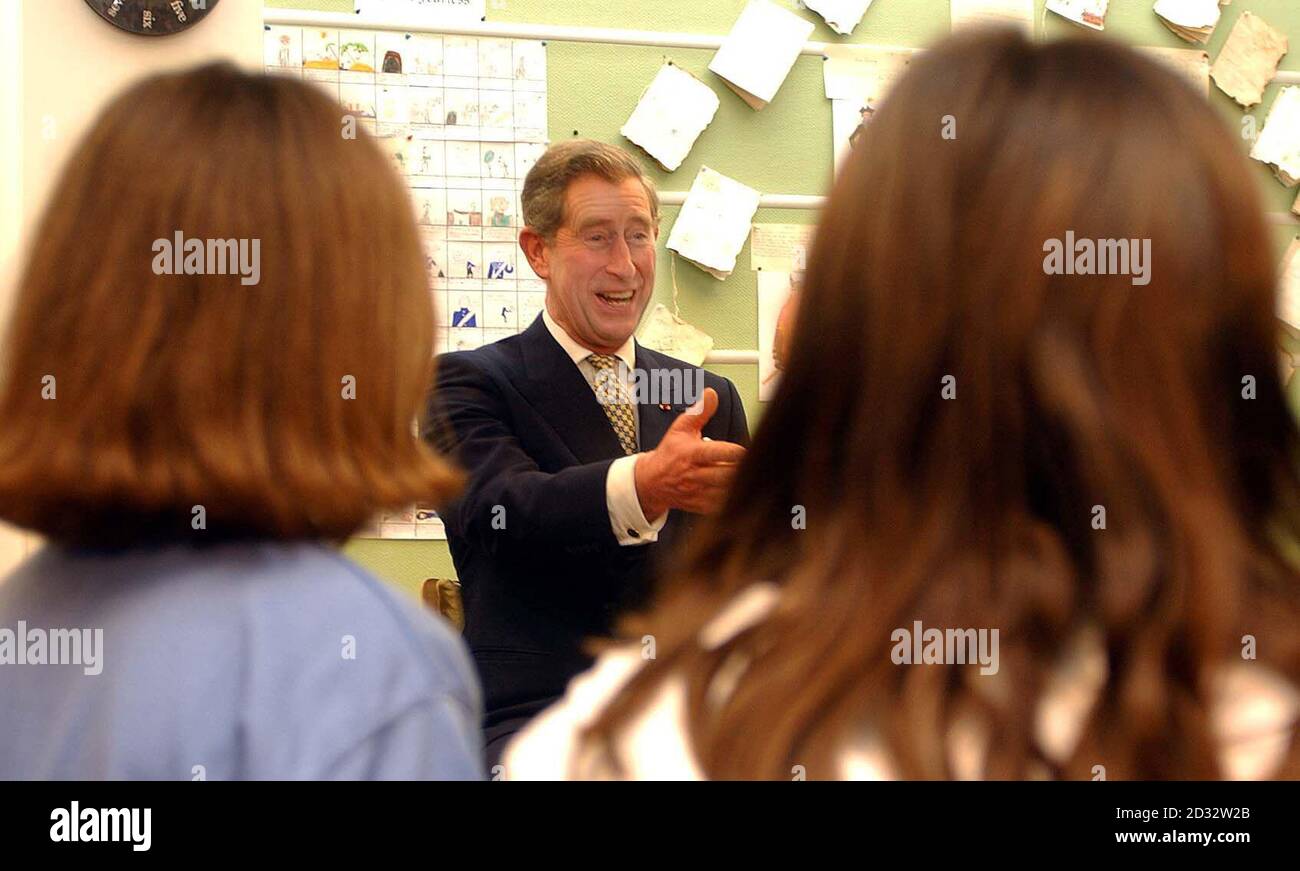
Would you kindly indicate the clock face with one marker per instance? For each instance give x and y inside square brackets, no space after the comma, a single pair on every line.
[152,17]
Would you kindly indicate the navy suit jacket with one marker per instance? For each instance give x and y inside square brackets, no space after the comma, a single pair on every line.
[539,566]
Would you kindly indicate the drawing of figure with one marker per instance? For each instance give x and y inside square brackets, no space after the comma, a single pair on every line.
[469,269]
[463,317]
[500,269]
[425,217]
[864,114]
[499,216]
[451,118]
[392,62]
[285,50]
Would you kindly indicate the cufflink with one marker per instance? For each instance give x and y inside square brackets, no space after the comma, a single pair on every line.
[664,406]
[633,533]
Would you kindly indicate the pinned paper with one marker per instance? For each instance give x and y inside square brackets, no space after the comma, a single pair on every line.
[774,290]
[780,247]
[1193,64]
[1018,13]
[714,222]
[840,15]
[1249,59]
[1192,20]
[857,78]
[759,52]
[863,72]
[1288,296]
[1279,144]
[671,115]
[668,334]
[1089,13]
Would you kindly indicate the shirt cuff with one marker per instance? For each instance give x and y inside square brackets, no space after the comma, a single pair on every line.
[625,514]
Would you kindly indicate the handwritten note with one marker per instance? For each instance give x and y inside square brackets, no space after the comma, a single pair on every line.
[780,247]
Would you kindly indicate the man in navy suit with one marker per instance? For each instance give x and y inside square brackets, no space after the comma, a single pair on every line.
[586,454]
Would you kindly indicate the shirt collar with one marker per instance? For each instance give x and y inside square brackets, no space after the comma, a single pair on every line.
[577,353]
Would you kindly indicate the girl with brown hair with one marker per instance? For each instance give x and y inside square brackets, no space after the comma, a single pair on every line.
[1095,472]
[193,437]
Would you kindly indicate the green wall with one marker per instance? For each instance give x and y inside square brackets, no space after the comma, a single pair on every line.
[786,148]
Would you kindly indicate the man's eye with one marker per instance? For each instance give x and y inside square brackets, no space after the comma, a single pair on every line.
[596,238]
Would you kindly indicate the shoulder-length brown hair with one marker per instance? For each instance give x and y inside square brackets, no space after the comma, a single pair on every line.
[131,398]
[1160,403]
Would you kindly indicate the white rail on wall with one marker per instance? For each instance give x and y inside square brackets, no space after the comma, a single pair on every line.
[613,36]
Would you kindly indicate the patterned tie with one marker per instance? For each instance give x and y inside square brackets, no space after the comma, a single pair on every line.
[613,397]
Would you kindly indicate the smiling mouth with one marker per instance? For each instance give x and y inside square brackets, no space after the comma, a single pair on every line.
[617,299]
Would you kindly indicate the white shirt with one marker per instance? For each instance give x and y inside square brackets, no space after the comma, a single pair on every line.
[1253,713]
[625,515]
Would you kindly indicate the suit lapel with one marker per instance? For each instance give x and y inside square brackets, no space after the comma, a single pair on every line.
[654,417]
[555,387]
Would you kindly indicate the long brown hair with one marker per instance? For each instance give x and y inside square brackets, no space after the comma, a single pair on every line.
[130,398]
[1160,404]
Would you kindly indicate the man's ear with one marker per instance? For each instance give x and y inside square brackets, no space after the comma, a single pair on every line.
[534,248]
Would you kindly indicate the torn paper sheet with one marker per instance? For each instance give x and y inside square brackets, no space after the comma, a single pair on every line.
[1279,144]
[668,334]
[714,222]
[1192,20]
[1089,13]
[1249,59]
[671,115]
[863,72]
[1018,13]
[840,15]
[759,52]
[1288,293]
[780,247]
[1193,64]
[774,292]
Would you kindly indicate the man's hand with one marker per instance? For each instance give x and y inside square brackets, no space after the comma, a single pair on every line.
[687,471]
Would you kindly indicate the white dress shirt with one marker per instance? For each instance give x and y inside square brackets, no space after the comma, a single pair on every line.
[625,515]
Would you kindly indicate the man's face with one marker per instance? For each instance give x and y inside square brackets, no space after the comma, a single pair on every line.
[600,267]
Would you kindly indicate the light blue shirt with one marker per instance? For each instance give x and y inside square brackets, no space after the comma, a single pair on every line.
[236,661]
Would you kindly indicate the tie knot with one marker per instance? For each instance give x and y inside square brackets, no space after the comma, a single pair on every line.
[603,361]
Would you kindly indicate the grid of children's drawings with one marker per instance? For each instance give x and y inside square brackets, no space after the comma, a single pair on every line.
[463,119]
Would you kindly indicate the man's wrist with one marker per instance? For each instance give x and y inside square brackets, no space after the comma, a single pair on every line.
[642,475]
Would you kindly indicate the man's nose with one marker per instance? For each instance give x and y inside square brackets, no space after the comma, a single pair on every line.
[620,260]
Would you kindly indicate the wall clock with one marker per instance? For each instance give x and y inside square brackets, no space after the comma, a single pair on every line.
[152,17]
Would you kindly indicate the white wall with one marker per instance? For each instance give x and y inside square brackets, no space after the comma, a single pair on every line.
[59,63]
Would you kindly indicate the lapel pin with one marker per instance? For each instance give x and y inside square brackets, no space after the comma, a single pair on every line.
[663,406]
